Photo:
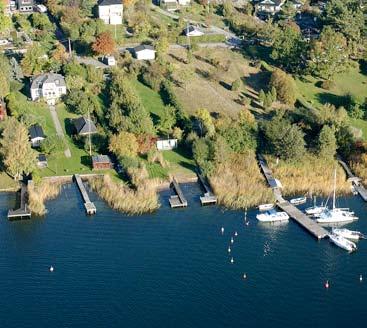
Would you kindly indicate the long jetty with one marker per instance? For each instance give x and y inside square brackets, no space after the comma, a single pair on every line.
[90,208]
[179,199]
[22,211]
[302,219]
[208,198]
[356,181]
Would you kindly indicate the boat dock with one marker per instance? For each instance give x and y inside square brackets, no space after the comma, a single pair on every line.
[179,199]
[90,208]
[356,181]
[22,212]
[302,219]
[208,198]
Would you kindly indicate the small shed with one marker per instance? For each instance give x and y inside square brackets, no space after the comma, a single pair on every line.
[101,162]
[166,144]
[36,135]
[2,111]
[144,52]
[84,126]
[42,161]
[193,31]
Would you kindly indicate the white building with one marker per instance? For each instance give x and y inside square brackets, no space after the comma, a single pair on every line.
[48,86]
[144,52]
[193,31]
[270,6]
[166,144]
[184,2]
[110,11]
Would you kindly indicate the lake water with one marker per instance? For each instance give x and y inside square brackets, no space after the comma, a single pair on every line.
[172,269]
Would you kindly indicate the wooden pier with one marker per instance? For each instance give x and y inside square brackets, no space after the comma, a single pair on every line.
[302,219]
[208,198]
[356,181]
[179,199]
[22,212]
[90,208]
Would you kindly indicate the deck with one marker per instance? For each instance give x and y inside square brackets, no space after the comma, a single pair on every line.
[208,198]
[294,213]
[179,199]
[90,208]
[22,212]
[356,181]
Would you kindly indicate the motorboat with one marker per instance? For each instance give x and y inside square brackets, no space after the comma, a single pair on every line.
[336,215]
[343,243]
[348,234]
[266,207]
[298,201]
[272,216]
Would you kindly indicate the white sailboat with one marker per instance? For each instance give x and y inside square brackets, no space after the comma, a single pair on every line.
[266,207]
[348,234]
[336,215]
[298,201]
[343,243]
[315,210]
[272,216]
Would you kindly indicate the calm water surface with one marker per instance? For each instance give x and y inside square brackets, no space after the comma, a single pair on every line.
[172,269]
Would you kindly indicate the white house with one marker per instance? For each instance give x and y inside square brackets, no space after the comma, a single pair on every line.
[144,52]
[36,135]
[193,31]
[170,5]
[270,6]
[49,86]
[184,2]
[110,11]
[166,144]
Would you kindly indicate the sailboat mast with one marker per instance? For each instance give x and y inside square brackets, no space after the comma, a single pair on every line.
[334,189]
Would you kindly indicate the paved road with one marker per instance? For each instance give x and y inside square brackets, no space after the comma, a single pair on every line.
[59,130]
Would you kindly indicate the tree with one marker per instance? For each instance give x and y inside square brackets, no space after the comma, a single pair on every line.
[200,150]
[18,156]
[161,46]
[236,85]
[80,102]
[34,60]
[5,21]
[52,144]
[329,54]
[284,85]
[205,122]
[167,119]
[104,44]
[326,145]
[124,144]
[41,21]
[5,72]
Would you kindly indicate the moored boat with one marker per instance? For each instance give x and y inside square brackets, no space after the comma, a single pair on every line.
[349,234]
[315,210]
[343,243]
[272,216]
[298,201]
[266,207]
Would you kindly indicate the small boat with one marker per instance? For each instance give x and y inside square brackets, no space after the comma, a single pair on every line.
[315,210]
[343,243]
[298,201]
[266,207]
[272,216]
[349,234]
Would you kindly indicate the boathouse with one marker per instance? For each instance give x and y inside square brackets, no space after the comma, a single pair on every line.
[101,162]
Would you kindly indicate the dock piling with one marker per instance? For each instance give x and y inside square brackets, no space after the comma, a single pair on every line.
[179,199]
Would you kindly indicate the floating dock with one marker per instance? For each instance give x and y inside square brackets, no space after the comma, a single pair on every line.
[179,199]
[356,181]
[90,208]
[310,225]
[208,198]
[22,212]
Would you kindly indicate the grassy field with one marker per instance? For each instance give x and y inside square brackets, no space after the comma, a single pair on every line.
[7,183]
[199,91]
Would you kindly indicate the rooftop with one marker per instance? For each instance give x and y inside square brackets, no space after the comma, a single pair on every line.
[39,80]
[143,47]
[36,131]
[110,2]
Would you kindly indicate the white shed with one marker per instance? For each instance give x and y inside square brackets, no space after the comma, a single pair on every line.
[144,52]
[166,144]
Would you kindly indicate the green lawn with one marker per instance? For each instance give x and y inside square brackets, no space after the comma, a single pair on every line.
[361,125]
[351,82]
[7,183]
[179,161]
[151,100]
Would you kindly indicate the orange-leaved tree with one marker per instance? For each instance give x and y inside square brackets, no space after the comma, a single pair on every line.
[104,44]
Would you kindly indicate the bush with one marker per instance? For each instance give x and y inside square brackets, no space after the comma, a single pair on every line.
[327,84]
[284,85]
[236,85]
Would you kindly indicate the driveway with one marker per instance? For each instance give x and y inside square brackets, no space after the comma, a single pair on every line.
[58,127]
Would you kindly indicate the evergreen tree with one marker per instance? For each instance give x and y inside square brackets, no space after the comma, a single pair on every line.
[327,142]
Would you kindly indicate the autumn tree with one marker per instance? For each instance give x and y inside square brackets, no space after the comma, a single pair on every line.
[124,144]
[205,122]
[104,44]
[5,21]
[18,156]
[284,85]
[33,61]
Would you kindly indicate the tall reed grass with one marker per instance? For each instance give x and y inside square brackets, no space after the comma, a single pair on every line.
[39,193]
[143,199]
[311,175]
[238,182]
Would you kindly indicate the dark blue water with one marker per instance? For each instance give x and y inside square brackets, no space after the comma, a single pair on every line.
[172,268]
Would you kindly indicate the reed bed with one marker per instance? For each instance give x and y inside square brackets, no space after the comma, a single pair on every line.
[311,175]
[39,193]
[143,199]
[238,182]
[359,167]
